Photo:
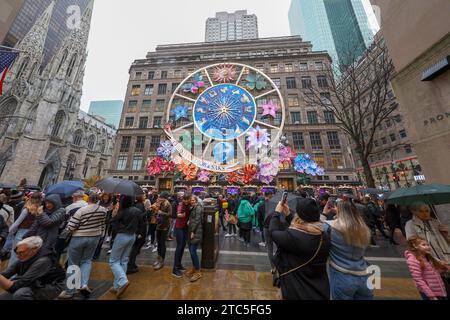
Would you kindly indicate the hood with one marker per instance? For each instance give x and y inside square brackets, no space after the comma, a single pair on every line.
[55,199]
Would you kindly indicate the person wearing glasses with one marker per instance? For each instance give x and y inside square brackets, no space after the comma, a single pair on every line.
[34,276]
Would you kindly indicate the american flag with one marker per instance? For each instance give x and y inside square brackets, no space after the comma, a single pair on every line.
[6,59]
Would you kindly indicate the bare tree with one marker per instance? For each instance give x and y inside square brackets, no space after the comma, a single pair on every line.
[358,94]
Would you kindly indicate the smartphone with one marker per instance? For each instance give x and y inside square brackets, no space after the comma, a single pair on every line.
[332,202]
[284,198]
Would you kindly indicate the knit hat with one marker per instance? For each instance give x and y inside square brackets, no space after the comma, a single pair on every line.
[165,195]
[16,195]
[307,210]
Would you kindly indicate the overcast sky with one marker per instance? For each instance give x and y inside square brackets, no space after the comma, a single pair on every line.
[123,31]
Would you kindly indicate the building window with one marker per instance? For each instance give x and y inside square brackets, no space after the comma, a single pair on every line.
[151,75]
[298,140]
[59,120]
[148,89]
[306,82]
[325,97]
[274,68]
[322,81]
[320,159]
[388,123]
[137,163]
[336,161]
[291,84]
[288,68]
[339,178]
[393,137]
[78,137]
[326,178]
[157,122]
[138,76]
[345,178]
[296,118]
[122,162]
[178,74]
[384,140]
[162,88]
[146,104]
[403,134]
[312,117]
[125,146]
[72,65]
[163,74]
[132,105]
[333,140]
[160,105]
[329,117]
[91,142]
[154,144]
[408,149]
[303,66]
[143,123]
[129,122]
[293,101]
[140,144]
[316,140]
[319,65]
[174,87]
[136,90]
[277,82]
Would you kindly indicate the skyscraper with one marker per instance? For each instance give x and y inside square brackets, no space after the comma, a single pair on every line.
[231,26]
[109,110]
[58,29]
[337,26]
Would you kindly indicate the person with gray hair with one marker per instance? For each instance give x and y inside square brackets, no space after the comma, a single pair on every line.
[35,276]
[425,226]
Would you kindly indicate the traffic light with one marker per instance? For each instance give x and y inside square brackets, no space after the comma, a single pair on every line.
[395,178]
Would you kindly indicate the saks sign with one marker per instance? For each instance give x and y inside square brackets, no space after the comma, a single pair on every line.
[436,119]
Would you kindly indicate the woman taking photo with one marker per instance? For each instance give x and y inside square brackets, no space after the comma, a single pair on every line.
[350,237]
[195,235]
[302,251]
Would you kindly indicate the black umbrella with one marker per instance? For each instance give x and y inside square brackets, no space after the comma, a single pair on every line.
[291,200]
[120,186]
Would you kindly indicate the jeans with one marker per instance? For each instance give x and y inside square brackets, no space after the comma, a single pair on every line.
[49,292]
[269,246]
[181,237]
[152,233]
[80,253]
[19,236]
[349,287]
[194,256]
[135,250]
[118,261]
[161,237]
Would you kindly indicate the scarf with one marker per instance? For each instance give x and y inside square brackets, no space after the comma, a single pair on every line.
[314,228]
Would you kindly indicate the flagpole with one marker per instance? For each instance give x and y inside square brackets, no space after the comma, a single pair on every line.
[4,47]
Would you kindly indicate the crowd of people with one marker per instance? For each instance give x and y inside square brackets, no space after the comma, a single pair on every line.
[316,249]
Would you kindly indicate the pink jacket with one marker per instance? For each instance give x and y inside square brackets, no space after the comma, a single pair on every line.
[428,280]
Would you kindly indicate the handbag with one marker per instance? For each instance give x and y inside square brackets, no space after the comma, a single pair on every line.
[66,235]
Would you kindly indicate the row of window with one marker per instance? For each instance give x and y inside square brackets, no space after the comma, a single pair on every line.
[144,122]
[298,140]
[387,156]
[392,138]
[140,143]
[312,117]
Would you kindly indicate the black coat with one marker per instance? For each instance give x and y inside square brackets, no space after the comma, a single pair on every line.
[392,217]
[295,248]
[142,220]
[127,220]
[3,230]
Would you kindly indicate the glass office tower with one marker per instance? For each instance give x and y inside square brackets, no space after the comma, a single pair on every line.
[111,111]
[30,11]
[336,26]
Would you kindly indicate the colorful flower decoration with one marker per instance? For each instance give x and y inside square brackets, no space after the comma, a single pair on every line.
[258,138]
[186,140]
[304,164]
[268,170]
[224,74]
[203,176]
[250,172]
[168,166]
[195,86]
[256,82]
[286,154]
[188,169]
[166,150]
[180,111]
[270,109]
[154,166]
[234,177]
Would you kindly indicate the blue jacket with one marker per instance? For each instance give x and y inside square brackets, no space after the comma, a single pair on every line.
[343,255]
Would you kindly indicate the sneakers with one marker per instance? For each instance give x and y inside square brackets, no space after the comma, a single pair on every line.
[190,273]
[170,239]
[132,270]
[155,249]
[158,265]
[112,291]
[228,235]
[177,273]
[108,239]
[182,269]
[197,275]
[65,295]
[85,291]
[262,244]
[122,290]
[148,245]
[241,239]
[109,252]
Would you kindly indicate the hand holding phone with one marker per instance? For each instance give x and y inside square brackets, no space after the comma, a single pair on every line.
[284,198]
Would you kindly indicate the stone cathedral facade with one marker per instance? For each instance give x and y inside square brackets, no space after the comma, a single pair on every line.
[44,136]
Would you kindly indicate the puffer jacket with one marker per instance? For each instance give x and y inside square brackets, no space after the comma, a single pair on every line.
[47,225]
[196,225]
[427,279]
